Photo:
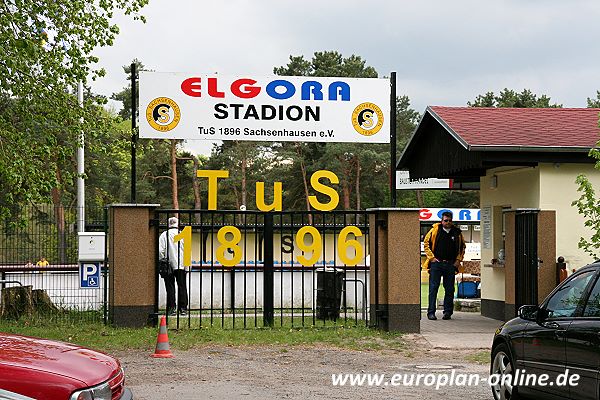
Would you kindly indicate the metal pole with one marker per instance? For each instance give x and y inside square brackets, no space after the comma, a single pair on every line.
[393,139]
[134,134]
[80,169]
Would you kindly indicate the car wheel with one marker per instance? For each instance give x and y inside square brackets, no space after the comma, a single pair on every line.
[503,366]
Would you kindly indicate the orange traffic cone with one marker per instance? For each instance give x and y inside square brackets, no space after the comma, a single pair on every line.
[162,341]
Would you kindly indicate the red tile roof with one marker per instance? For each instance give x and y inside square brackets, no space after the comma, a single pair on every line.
[521,127]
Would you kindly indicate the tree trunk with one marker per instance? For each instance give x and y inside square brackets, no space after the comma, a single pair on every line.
[346,193]
[244,191]
[196,187]
[357,188]
[174,191]
[22,301]
[303,171]
[419,198]
[17,301]
[357,184]
[346,178]
[42,302]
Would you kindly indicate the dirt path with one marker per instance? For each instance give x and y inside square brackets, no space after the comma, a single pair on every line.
[262,372]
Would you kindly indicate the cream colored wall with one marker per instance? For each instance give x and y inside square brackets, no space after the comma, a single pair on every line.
[557,191]
[516,188]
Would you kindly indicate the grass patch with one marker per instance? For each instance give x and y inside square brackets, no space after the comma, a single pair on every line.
[109,339]
[481,357]
[425,293]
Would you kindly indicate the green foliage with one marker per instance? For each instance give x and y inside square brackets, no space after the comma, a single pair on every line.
[594,103]
[588,206]
[247,163]
[47,48]
[327,63]
[124,96]
[406,122]
[510,98]
[460,199]
[363,170]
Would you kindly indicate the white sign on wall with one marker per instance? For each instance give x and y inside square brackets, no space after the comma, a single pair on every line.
[486,223]
[274,108]
[403,181]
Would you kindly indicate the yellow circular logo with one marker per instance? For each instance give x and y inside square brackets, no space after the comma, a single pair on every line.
[163,114]
[367,119]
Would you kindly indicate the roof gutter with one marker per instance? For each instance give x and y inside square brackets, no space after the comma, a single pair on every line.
[531,149]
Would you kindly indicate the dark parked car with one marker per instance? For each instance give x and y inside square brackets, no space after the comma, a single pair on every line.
[559,338]
[49,370]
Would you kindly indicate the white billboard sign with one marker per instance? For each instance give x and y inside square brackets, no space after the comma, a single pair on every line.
[403,181]
[273,108]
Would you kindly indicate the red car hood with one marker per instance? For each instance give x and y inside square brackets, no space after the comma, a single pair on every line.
[88,366]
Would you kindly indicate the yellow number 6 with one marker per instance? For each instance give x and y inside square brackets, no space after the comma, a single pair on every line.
[343,245]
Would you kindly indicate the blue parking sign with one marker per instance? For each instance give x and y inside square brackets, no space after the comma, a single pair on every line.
[89,275]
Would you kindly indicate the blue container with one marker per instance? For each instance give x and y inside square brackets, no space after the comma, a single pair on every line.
[467,290]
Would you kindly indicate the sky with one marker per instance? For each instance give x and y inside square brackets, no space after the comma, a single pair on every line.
[444,52]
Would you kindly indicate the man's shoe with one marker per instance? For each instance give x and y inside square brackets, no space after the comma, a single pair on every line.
[431,317]
[171,312]
[447,316]
[182,312]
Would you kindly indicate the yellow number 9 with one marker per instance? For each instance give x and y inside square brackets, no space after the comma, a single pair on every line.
[314,248]
[343,245]
[229,244]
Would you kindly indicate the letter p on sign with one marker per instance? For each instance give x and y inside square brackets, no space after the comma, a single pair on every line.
[89,275]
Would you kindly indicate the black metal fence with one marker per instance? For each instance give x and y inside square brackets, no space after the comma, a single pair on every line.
[246,268]
[254,269]
[39,248]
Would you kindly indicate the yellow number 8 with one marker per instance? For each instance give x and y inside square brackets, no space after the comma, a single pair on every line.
[229,244]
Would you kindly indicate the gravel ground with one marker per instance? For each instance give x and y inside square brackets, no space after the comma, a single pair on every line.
[269,372]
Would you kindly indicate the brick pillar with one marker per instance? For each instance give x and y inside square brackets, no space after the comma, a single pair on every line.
[395,276]
[132,256]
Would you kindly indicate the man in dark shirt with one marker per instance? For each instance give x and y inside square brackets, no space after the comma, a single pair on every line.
[445,248]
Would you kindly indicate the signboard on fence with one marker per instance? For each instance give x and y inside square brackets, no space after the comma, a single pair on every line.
[272,108]
[89,275]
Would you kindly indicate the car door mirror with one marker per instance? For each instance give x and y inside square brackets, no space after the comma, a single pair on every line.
[542,314]
[530,313]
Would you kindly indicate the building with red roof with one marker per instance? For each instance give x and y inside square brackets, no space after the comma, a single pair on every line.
[525,161]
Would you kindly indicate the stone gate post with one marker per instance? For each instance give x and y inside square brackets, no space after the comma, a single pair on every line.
[132,256]
[395,270]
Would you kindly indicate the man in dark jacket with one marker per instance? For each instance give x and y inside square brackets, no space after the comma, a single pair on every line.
[445,248]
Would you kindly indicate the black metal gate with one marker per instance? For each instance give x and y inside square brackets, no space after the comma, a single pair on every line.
[526,257]
[254,269]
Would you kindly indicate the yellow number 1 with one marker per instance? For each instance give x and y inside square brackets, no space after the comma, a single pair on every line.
[186,236]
